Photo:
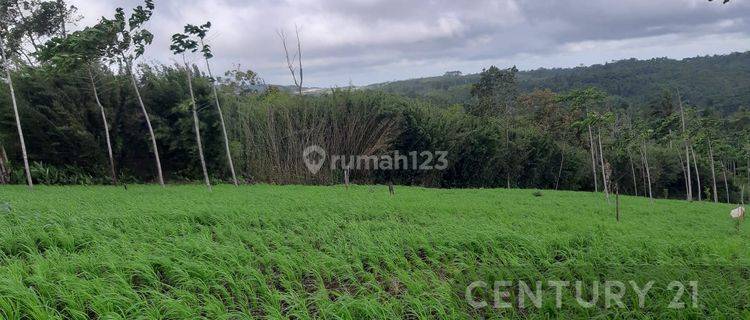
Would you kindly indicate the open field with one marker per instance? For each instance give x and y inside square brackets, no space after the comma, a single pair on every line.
[304,252]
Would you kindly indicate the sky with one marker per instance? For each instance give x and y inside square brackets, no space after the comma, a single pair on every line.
[362,42]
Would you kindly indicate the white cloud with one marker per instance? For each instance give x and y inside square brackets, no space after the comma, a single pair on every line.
[369,41]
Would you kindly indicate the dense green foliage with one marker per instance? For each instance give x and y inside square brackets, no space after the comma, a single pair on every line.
[64,132]
[296,251]
[617,125]
[720,83]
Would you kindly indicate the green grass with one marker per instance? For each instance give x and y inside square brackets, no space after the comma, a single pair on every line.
[306,252]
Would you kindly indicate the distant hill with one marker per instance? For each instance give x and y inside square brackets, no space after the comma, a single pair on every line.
[721,82]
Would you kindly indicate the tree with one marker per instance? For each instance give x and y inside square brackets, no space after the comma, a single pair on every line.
[296,58]
[84,49]
[582,100]
[496,94]
[706,136]
[685,139]
[597,121]
[9,80]
[645,136]
[131,39]
[4,169]
[33,22]
[240,83]
[697,174]
[626,144]
[200,32]
[180,44]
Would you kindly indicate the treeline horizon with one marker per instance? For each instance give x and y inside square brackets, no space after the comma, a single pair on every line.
[720,81]
[582,138]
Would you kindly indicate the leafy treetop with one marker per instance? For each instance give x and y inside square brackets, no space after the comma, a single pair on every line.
[182,42]
[131,34]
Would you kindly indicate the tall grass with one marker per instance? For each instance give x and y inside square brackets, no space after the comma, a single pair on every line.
[274,131]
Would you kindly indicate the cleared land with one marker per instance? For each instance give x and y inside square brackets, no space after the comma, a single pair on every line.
[303,252]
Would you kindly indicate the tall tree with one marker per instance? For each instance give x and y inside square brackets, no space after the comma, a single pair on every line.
[497,94]
[713,170]
[9,80]
[706,136]
[180,44]
[296,71]
[33,23]
[131,41]
[83,50]
[599,121]
[581,101]
[4,166]
[685,139]
[645,137]
[697,174]
[200,32]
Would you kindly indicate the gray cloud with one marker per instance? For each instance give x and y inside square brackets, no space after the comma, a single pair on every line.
[366,41]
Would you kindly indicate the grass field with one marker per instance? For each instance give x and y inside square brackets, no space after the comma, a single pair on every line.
[306,252]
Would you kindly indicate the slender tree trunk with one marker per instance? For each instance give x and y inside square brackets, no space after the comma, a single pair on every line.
[9,80]
[713,171]
[6,162]
[593,159]
[642,168]
[196,124]
[106,128]
[604,170]
[688,179]
[726,182]
[559,171]
[632,171]
[3,154]
[670,139]
[697,174]
[507,147]
[29,32]
[3,170]
[221,121]
[160,176]
[684,174]
[299,59]
[648,171]
[62,9]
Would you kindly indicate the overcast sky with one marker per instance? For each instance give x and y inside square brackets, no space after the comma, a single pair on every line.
[368,41]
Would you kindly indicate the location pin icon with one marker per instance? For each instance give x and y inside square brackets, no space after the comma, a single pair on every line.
[314,157]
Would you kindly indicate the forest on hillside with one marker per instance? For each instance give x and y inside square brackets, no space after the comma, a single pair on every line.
[82,109]
[719,82]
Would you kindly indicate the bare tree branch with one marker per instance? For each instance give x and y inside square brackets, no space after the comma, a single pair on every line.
[297,57]
[299,54]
